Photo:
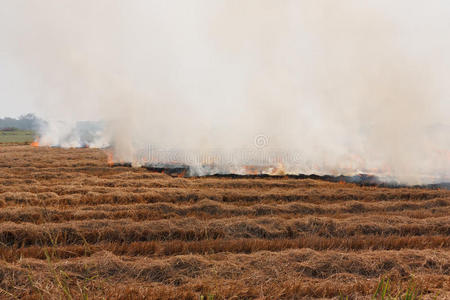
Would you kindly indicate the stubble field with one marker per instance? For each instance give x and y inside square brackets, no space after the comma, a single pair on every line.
[73,227]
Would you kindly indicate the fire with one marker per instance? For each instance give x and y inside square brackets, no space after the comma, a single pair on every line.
[109,156]
[35,143]
[278,170]
[251,170]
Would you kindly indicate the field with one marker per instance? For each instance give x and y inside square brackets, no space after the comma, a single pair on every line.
[16,136]
[72,227]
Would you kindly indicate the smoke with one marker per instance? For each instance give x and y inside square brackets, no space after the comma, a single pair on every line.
[328,87]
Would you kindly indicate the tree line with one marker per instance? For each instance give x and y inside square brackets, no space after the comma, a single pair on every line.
[24,122]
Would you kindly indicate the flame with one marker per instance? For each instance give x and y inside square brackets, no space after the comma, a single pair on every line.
[278,170]
[35,143]
[109,156]
[251,170]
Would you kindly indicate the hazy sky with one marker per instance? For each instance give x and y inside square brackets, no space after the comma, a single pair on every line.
[15,97]
[43,40]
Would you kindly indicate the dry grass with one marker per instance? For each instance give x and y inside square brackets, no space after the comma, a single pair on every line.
[73,227]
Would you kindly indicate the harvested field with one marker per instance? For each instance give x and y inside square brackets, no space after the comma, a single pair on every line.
[74,227]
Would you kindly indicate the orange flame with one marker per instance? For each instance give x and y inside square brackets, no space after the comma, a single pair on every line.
[251,170]
[35,143]
[109,156]
[278,170]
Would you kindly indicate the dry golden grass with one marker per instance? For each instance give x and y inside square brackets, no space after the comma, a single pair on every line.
[73,227]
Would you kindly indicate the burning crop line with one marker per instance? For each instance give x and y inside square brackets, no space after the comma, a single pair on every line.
[35,143]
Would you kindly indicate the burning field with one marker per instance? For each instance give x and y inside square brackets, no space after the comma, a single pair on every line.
[224,149]
[74,227]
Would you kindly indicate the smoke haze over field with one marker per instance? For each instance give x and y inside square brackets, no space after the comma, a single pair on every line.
[353,86]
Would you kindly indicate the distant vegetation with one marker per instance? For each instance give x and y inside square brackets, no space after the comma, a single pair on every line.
[25,122]
[20,130]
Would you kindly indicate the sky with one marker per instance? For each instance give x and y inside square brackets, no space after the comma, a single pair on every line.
[34,34]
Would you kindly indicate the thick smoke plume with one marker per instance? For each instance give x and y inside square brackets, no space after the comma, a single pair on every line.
[304,86]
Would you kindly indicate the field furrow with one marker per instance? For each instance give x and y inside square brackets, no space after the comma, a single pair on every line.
[70,224]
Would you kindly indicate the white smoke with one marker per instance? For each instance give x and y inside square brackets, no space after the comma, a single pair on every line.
[65,134]
[349,86]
